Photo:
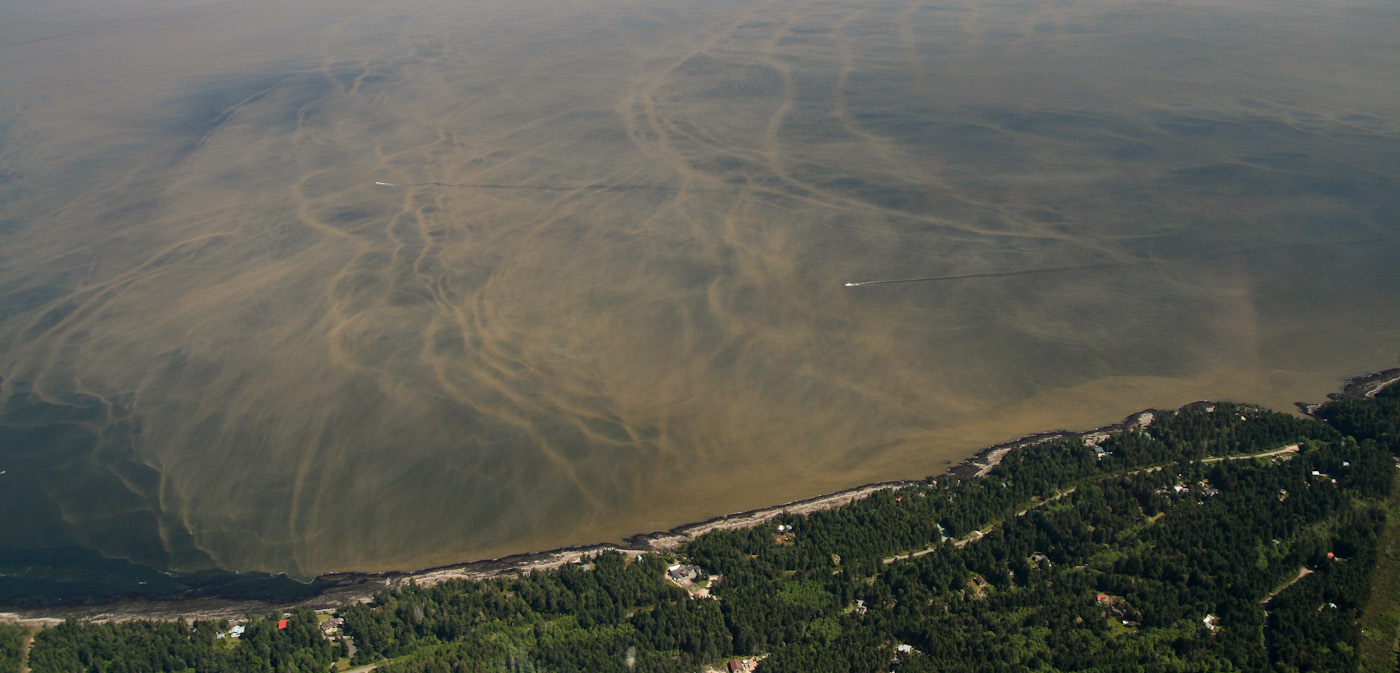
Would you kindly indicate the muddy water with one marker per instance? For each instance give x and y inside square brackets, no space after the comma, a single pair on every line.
[601,288]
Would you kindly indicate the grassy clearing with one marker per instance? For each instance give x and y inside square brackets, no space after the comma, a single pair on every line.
[1380,624]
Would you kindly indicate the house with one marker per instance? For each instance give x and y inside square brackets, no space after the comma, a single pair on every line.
[735,666]
[683,573]
[902,650]
[282,623]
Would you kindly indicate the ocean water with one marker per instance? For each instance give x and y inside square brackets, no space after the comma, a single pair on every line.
[326,286]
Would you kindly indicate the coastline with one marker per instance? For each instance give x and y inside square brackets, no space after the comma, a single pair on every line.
[352,587]
[1368,385]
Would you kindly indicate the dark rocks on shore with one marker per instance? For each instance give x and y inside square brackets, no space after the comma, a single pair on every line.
[1365,386]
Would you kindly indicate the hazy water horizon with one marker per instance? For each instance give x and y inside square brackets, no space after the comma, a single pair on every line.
[344,286]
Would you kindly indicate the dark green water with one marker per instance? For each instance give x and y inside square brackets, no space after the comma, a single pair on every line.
[603,290]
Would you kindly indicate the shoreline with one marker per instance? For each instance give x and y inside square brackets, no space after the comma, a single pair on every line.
[352,587]
[1368,385]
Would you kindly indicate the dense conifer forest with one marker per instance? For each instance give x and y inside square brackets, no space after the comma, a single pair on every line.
[1170,547]
[11,643]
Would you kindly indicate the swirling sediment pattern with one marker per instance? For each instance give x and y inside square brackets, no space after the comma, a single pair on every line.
[345,286]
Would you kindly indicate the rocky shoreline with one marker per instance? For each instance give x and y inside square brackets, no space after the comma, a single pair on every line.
[350,587]
[1369,385]
[1357,386]
[661,541]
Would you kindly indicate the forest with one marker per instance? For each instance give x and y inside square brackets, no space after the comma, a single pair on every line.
[1219,537]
